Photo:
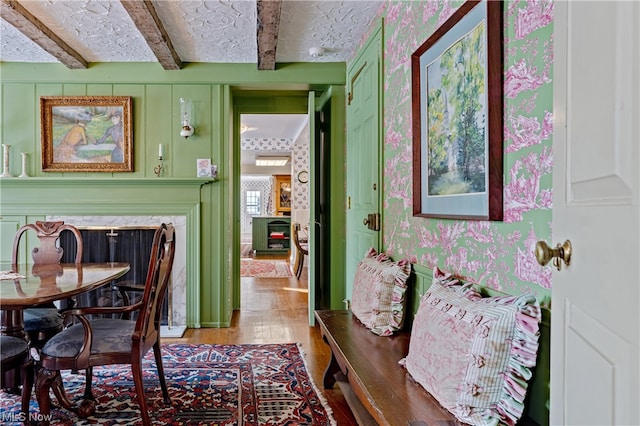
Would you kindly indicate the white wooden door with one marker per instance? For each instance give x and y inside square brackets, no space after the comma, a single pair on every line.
[363,153]
[595,301]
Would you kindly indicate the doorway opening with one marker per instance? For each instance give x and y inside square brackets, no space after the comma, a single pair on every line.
[274,150]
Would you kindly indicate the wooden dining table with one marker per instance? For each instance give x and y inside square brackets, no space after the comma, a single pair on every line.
[26,285]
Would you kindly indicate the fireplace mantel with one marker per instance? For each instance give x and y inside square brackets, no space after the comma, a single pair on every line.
[39,182]
[28,199]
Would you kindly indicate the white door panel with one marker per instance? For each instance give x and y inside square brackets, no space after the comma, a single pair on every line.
[595,336]
[609,359]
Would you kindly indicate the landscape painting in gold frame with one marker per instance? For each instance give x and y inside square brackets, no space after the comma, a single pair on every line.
[86,133]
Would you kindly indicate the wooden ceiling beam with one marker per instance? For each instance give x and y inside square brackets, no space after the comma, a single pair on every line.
[144,16]
[22,20]
[267,32]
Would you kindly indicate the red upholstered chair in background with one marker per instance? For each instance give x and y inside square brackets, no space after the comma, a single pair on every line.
[107,341]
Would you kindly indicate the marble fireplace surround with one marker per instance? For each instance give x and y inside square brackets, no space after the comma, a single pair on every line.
[179,272]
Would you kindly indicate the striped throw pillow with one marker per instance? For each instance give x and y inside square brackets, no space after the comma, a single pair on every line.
[378,298]
[474,354]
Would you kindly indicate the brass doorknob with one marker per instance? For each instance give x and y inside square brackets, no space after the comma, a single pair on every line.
[365,222]
[544,254]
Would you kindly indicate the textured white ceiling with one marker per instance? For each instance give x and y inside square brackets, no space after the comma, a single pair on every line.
[215,31]
[201,31]
[269,134]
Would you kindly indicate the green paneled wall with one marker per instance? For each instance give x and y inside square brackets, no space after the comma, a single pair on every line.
[213,89]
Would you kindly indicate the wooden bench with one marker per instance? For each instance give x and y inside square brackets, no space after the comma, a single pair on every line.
[377,389]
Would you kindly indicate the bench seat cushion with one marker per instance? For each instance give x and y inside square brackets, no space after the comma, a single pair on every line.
[378,297]
[474,354]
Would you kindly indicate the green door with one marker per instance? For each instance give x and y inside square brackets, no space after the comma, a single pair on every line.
[363,156]
[311,300]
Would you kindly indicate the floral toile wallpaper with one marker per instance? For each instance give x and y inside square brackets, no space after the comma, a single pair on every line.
[495,254]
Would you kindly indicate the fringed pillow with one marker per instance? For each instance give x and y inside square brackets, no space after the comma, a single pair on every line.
[474,354]
[379,287]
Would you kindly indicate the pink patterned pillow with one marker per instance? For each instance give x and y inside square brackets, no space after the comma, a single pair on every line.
[379,287]
[474,354]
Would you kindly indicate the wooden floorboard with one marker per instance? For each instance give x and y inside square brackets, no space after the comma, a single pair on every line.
[274,310]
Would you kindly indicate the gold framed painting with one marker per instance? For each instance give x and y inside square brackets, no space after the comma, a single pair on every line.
[86,133]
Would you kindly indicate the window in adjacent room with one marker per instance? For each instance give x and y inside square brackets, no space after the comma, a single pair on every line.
[253,202]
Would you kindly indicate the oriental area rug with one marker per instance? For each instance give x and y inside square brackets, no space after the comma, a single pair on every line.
[265,268]
[208,385]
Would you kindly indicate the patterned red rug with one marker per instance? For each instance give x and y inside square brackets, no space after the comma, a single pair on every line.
[264,268]
[208,384]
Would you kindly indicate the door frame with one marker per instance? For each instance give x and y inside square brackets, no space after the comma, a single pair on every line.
[252,102]
[270,101]
[375,41]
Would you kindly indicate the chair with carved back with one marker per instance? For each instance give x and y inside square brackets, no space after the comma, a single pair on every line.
[15,356]
[302,249]
[42,322]
[105,341]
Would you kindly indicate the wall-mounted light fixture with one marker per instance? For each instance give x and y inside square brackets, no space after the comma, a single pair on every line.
[272,161]
[185,112]
[244,128]
[159,169]
[316,51]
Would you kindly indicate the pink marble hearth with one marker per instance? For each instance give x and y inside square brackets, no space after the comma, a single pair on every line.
[178,275]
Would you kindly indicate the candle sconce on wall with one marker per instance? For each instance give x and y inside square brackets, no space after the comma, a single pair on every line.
[185,112]
[159,169]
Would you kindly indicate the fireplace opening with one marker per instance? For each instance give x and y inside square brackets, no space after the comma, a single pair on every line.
[115,244]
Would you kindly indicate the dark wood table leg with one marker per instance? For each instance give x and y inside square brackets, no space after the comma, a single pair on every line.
[328,380]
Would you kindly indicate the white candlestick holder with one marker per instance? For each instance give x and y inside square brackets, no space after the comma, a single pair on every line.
[25,157]
[5,170]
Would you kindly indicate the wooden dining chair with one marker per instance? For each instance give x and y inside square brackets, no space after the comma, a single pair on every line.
[44,321]
[15,356]
[302,249]
[106,341]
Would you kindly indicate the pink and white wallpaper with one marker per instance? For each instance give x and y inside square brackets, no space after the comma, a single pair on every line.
[495,254]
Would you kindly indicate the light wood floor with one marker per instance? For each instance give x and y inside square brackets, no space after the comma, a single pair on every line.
[274,310]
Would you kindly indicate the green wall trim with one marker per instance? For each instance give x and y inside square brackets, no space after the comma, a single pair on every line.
[338,198]
[293,76]
[40,182]
[216,324]
[215,302]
